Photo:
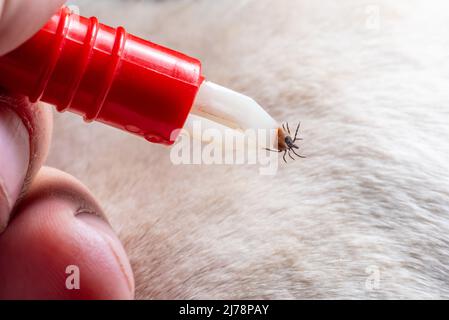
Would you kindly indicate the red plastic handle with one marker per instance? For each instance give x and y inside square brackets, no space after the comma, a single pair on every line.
[105,74]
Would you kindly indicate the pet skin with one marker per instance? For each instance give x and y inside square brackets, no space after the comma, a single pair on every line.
[366,215]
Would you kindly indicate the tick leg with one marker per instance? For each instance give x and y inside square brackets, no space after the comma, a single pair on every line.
[297,130]
[285,153]
[283,127]
[302,157]
[288,129]
[278,151]
[290,155]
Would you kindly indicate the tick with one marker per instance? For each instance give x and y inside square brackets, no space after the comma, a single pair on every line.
[286,143]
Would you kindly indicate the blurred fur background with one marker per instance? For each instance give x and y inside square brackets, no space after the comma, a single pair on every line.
[366,215]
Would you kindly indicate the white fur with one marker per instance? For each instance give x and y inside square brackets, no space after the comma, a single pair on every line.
[373,193]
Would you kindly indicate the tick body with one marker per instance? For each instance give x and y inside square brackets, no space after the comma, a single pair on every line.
[286,143]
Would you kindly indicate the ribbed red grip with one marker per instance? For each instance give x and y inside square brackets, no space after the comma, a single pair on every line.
[105,74]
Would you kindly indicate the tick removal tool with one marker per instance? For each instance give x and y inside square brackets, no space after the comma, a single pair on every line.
[105,74]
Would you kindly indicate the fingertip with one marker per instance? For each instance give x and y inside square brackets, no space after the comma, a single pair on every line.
[25,134]
[14,160]
[20,19]
[59,246]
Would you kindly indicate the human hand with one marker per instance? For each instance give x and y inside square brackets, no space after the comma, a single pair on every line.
[51,226]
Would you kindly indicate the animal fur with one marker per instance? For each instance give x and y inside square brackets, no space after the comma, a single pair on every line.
[368,79]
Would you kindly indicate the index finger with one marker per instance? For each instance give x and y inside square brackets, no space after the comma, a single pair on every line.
[20,19]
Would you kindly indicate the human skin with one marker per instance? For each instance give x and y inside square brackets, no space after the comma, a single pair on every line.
[49,222]
[370,200]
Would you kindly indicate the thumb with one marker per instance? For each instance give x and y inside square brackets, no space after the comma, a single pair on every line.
[21,19]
